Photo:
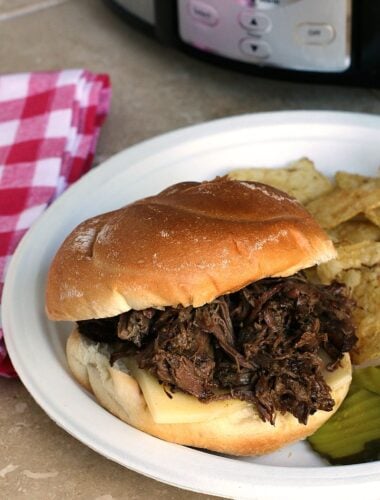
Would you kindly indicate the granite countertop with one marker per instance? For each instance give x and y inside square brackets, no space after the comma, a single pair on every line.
[155,89]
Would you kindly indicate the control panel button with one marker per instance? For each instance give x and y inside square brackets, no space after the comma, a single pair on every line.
[203,12]
[255,48]
[315,33]
[254,22]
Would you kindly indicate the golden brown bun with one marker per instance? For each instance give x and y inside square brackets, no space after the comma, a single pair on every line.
[238,433]
[186,246]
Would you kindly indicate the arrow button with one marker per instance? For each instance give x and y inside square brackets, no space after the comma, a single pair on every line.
[255,48]
[253,22]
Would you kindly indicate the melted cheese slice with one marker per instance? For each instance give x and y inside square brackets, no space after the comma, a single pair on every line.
[183,408]
[180,407]
[340,376]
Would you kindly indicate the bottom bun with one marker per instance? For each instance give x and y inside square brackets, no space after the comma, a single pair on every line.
[239,433]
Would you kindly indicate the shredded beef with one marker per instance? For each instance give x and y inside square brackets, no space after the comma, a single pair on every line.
[262,344]
[180,353]
[135,325]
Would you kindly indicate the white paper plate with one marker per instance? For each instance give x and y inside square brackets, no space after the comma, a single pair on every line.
[334,141]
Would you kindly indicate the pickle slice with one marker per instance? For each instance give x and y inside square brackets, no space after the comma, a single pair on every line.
[368,378]
[352,435]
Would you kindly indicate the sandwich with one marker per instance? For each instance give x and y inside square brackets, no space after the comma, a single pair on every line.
[195,321]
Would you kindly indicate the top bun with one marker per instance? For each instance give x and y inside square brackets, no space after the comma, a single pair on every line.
[185,246]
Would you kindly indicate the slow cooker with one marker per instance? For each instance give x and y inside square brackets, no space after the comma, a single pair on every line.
[314,40]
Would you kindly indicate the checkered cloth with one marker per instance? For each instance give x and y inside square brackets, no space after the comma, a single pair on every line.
[49,127]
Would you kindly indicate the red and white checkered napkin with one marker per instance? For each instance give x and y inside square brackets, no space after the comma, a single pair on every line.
[49,126]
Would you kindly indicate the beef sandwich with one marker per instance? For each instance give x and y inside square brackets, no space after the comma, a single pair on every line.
[195,322]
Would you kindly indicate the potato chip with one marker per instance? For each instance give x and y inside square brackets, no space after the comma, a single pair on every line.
[348,181]
[340,205]
[367,316]
[367,293]
[354,231]
[365,253]
[374,216]
[300,179]
[368,348]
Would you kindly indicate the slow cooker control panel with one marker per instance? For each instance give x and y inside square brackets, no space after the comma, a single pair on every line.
[307,35]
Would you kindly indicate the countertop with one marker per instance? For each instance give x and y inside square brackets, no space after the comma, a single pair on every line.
[155,89]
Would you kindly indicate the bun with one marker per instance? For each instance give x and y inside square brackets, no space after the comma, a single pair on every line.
[185,246]
[238,433]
